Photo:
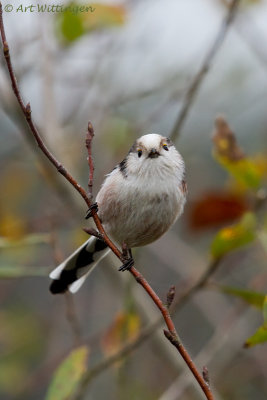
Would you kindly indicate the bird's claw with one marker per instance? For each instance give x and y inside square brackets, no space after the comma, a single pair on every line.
[127,265]
[91,210]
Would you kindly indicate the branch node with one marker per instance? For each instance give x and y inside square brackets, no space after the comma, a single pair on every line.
[6,49]
[91,131]
[172,337]
[93,232]
[61,169]
[28,111]
[170,296]
[205,374]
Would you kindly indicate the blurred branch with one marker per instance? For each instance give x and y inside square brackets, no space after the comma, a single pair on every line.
[204,69]
[26,109]
[71,314]
[171,333]
[46,170]
[72,318]
[251,34]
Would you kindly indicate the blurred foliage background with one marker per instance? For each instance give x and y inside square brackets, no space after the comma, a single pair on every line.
[126,66]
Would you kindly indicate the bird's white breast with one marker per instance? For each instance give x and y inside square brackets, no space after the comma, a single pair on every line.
[139,211]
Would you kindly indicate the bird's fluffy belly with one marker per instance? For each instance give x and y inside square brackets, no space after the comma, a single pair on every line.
[142,217]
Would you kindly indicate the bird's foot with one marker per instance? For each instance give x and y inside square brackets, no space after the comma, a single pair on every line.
[91,210]
[127,265]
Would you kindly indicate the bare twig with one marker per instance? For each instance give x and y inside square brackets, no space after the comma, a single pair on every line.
[146,332]
[198,79]
[179,346]
[93,232]
[88,142]
[171,333]
[170,296]
[205,373]
[26,109]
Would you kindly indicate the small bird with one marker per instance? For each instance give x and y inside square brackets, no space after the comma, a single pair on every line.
[137,203]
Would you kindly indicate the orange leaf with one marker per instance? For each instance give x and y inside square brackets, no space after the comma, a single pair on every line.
[217,208]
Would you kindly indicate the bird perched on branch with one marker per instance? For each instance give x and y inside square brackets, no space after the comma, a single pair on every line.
[138,202]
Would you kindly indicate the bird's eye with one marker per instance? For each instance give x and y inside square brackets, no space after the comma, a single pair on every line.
[165,146]
[139,152]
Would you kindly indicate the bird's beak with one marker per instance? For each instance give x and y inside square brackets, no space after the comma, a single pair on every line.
[153,153]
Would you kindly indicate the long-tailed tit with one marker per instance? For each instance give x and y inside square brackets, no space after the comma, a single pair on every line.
[138,202]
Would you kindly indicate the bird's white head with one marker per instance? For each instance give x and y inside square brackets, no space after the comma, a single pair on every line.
[152,154]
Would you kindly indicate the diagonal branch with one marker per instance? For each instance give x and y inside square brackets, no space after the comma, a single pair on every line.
[205,67]
[88,143]
[171,333]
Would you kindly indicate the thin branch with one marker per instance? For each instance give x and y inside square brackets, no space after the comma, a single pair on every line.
[26,109]
[205,67]
[179,346]
[88,143]
[146,332]
[170,296]
[171,333]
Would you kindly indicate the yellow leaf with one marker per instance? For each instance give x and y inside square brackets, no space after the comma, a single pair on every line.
[234,236]
[225,144]
[124,328]
[12,226]
[229,154]
[103,16]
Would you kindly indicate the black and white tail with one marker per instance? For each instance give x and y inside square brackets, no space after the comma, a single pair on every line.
[71,274]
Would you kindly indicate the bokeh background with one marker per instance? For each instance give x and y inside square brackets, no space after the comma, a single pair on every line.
[126,66]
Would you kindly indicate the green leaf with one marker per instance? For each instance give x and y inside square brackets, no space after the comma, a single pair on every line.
[71,26]
[260,336]
[68,375]
[234,236]
[253,298]
[265,311]
[12,271]
[29,240]
[78,19]
[245,171]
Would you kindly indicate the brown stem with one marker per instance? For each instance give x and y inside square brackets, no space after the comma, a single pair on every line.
[179,346]
[88,143]
[170,296]
[171,333]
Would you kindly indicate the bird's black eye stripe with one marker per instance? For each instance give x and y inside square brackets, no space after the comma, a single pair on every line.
[139,152]
[165,146]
